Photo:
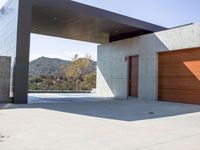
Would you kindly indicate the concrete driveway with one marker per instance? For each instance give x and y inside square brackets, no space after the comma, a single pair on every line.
[100,125]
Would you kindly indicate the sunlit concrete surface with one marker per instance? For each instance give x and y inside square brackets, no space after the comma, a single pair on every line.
[62,97]
[100,125]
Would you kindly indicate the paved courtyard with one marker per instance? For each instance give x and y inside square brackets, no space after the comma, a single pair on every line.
[100,125]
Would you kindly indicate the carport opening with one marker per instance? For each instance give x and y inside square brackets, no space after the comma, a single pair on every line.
[61,68]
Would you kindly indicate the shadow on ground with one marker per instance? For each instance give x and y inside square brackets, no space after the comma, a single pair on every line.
[124,110]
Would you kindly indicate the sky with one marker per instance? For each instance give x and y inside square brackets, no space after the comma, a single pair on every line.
[167,13]
[60,48]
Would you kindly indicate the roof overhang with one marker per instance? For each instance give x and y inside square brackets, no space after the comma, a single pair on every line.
[72,20]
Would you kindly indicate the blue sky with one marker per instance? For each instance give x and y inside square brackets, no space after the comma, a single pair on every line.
[168,13]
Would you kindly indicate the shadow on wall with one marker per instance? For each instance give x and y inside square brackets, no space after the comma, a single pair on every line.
[115,110]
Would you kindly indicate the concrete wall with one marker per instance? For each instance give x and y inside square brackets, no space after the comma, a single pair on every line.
[15,22]
[8,33]
[112,71]
[5,63]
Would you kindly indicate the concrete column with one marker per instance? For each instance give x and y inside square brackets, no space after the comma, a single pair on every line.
[22,52]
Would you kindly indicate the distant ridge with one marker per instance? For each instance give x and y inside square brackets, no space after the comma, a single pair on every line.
[45,66]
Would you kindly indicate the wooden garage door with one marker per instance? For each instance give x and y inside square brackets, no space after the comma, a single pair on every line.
[179,76]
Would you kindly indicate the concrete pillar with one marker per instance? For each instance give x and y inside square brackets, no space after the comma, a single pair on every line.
[22,52]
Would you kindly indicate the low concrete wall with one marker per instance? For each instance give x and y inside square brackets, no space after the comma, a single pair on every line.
[112,71]
[5,63]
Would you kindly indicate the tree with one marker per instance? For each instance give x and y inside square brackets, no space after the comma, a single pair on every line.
[89,81]
[75,57]
[77,70]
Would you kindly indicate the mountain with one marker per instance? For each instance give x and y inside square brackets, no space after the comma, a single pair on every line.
[57,74]
[45,66]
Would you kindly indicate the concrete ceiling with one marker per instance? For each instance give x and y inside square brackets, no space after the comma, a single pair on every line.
[72,20]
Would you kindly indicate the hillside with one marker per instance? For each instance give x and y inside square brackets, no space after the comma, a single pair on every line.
[45,66]
[56,74]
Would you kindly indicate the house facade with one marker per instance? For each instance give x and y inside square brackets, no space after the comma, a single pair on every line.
[163,65]
[135,58]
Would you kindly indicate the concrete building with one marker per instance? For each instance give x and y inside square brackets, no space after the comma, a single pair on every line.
[168,66]
[136,58]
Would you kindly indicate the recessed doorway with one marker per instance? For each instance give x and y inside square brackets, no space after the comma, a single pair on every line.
[133,76]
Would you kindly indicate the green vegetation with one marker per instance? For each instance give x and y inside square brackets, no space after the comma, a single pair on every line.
[79,74]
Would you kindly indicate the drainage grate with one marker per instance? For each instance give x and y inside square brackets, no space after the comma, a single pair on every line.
[3,138]
[151,113]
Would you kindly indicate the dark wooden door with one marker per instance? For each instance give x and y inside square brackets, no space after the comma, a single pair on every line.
[133,76]
[179,76]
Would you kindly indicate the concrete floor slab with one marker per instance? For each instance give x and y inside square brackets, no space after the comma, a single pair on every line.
[100,125]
